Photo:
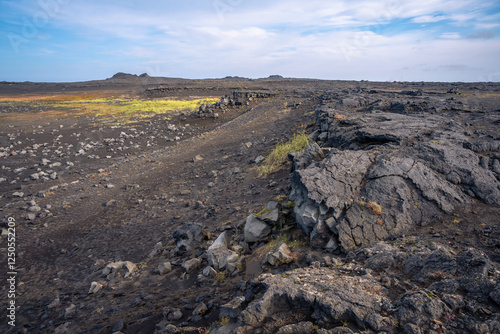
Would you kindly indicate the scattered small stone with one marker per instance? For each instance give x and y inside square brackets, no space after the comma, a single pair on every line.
[197,158]
[118,326]
[95,287]
[191,265]
[164,268]
[233,308]
[98,265]
[70,311]
[110,202]
[122,268]
[156,249]
[34,208]
[172,314]
[55,303]
[332,245]
[281,256]
[259,159]
[316,264]
[272,216]
[201,309]
[209,272]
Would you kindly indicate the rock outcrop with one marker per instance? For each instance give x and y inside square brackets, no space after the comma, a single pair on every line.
[383,288]
[330,297]
[411,167]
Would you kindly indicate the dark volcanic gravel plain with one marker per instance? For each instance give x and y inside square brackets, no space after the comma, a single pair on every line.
[147,226]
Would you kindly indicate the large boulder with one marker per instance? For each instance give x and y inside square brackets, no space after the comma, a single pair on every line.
[255,229]
[384,174]
[187,238]
[219,256]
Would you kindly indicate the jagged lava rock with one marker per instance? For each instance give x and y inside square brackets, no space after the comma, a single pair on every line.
[329,296]
[414,168]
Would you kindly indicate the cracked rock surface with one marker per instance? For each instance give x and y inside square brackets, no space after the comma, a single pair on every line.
[414,167]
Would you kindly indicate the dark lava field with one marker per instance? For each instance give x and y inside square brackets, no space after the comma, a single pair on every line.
[135,205]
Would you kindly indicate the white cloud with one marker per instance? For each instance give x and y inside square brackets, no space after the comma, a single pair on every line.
[483,34]
[487,26]
[450,35]
[428,19]
[341,39]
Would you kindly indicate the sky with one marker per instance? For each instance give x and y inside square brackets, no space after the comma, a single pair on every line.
[393,40]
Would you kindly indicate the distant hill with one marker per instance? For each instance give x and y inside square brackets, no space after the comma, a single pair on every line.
[235,78]
[276,77]
[126,76]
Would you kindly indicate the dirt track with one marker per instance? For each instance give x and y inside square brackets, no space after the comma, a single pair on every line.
[56,254]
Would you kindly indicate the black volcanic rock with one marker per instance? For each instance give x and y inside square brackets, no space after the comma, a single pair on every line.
[378,298]
[388,172]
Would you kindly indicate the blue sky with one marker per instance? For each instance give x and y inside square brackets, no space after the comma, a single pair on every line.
[394,40]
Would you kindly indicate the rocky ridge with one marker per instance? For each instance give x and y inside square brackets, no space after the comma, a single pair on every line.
[379,174]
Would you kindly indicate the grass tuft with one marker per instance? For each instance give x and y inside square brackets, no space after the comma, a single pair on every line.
[274,244]
[220,277]
[263,212]
[374,207]
[278,158]
[224,321]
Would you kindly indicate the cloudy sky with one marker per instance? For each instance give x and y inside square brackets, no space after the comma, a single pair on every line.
[403,40]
